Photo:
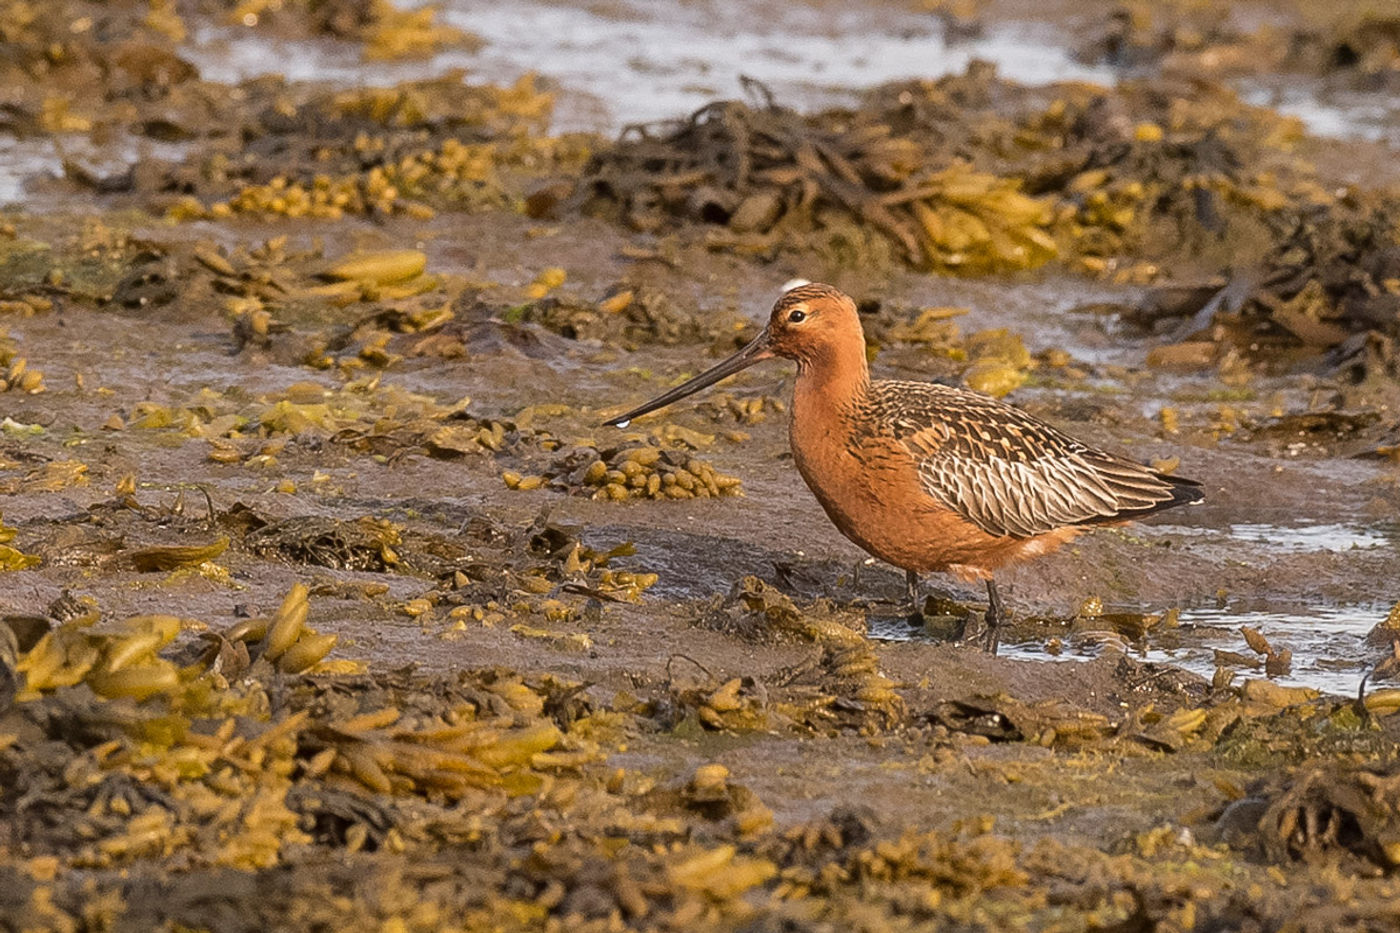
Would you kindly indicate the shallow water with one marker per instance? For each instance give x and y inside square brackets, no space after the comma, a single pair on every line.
[639,62]
[1287,539]
[1339,115]
[1328,643]
[230,54]
[25,160]
[650,61]
[22,159]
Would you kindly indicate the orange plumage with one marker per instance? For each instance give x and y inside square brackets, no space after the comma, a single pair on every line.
[930,477]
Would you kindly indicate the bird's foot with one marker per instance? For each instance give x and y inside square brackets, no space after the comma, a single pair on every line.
[984,628]
[916,607]
[991,622]
[981,631]
[991,635]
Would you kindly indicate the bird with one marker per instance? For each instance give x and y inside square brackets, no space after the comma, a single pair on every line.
[930,477]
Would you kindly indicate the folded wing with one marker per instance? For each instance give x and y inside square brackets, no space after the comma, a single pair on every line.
[1011,474]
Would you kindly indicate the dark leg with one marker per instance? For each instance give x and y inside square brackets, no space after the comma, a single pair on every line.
[995,613]
[916,611]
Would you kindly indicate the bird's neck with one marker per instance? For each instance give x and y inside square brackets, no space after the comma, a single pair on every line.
[833,377]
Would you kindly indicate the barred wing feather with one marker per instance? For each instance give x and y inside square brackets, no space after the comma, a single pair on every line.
[1011,474]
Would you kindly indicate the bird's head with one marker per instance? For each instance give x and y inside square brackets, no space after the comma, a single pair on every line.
[811,324]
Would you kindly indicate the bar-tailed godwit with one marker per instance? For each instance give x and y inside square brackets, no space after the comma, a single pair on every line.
[930,477]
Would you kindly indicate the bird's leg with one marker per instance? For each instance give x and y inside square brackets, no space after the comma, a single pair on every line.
[916,611]
[995,614]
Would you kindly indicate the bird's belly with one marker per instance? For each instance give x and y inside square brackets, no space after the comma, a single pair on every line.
[874,497]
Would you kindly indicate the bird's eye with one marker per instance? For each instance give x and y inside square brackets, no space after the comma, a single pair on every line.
[797,317]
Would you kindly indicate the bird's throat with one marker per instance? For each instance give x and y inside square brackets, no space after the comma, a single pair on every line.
[834,378]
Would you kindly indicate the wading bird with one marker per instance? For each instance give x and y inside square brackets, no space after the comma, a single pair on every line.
[930,477]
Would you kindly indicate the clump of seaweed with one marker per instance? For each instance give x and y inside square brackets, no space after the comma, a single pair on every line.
[724,407]
[127,662]
[631,472]
[1323,812]
[12,558]
[769,174]
[383,153]
[180,747]
[385,31]
[972,173]
[384,421]
[839,687]
[1362,45]
[1136,34]
[968,173]
[16,375]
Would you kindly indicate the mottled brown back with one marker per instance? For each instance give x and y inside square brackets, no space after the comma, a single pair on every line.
[1009,473]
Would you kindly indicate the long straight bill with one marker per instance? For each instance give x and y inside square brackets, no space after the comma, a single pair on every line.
[755,352]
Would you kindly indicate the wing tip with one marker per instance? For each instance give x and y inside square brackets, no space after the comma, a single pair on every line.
[1181,491]
[1184,491]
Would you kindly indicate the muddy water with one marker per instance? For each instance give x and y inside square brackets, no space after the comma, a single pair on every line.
[1328,642]
[653,61]
[1329,646]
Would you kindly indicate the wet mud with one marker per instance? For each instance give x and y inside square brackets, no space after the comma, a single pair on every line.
[329,603]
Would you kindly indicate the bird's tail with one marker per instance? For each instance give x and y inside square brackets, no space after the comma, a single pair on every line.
[1183,492]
